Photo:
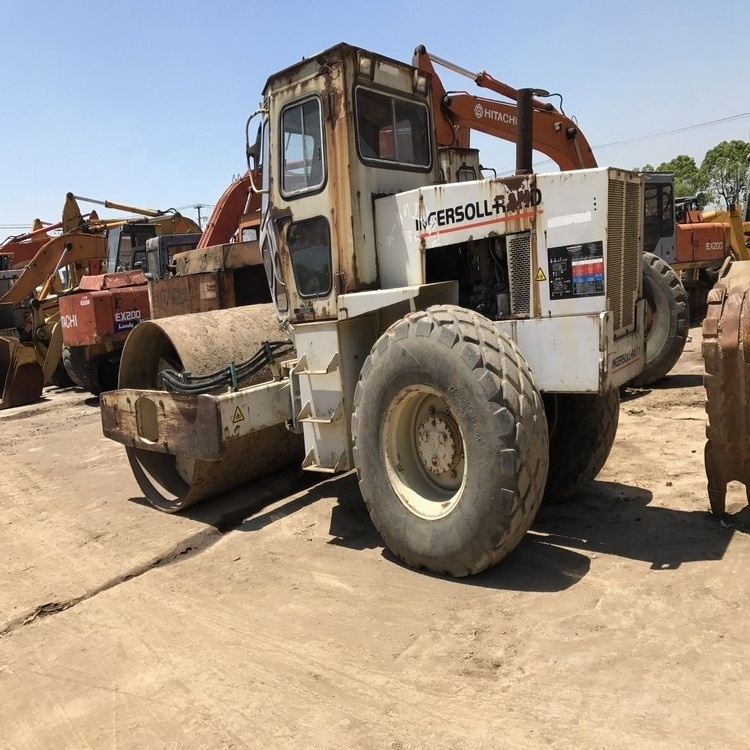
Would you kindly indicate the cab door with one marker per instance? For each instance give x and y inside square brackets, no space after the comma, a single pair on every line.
[295,226]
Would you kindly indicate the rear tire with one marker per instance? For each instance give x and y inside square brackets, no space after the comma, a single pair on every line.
[450,441]
[60,377]
[582,430]
[74,360]
[669,319]
[102,372]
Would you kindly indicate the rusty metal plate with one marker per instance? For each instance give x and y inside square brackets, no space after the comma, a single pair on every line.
[726,357]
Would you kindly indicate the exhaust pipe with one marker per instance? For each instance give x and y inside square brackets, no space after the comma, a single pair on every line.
[525,129]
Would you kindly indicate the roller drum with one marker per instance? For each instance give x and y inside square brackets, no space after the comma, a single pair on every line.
[202,343]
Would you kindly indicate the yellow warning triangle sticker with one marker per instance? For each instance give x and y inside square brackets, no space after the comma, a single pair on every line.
[540,275]
[238,416]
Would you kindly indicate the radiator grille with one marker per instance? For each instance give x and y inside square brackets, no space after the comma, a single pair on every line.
[623,251]
[519,271]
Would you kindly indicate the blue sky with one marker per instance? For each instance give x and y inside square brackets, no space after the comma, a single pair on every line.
[145,102]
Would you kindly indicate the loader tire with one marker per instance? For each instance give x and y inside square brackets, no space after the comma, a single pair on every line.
[582,430]
[74,360]
[668,319]
[450,441]
[726,361]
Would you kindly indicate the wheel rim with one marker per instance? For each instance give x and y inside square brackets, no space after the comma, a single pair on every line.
[424,452]
[650,314]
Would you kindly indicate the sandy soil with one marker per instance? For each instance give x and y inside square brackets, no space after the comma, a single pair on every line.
[273,617]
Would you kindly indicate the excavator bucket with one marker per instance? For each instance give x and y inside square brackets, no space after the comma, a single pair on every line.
[726,358]
[20,374]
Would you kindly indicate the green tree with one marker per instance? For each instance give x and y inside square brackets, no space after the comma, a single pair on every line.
[724,168]
[688,179]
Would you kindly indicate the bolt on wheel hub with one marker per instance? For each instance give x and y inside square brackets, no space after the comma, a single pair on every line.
[436,444]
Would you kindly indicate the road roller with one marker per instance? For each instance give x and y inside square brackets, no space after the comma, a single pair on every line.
[459,344]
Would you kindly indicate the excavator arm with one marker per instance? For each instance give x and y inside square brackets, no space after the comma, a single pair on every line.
[458,113]
[23,247]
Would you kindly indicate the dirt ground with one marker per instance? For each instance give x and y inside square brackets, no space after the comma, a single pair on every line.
[273,617]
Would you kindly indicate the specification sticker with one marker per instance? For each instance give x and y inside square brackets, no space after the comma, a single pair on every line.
[576,271]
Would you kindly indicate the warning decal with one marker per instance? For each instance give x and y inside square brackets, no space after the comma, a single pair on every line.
[238,416]
[576,271]
[540,275]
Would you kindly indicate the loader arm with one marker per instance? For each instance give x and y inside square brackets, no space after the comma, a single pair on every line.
[458,113]
[73,247]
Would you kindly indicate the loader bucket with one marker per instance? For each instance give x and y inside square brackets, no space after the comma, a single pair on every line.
[200,343]
[21,375]
[726,358]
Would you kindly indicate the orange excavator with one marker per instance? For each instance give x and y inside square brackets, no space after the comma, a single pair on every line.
[671,249]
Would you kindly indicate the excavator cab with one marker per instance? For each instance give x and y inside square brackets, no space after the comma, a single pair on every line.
[126,246]
[659,215]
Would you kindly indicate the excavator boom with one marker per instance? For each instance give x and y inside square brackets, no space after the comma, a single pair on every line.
[225,217]
[64,250]
[457,113]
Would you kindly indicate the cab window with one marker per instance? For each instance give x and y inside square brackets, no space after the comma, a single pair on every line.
[658,220]
[309,243]
[302,158]
[392,130]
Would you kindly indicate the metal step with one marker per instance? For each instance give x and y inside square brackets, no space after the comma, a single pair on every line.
[311,463]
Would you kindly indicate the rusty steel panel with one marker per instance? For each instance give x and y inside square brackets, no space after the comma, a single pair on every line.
[203,292]
[117,280]
[218,258]
[193,424]
[91,318]
[726,357]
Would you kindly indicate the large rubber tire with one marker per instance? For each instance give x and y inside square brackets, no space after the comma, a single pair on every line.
[668,321]
[76,365]
[102,371]
[726,359]
[450,441]
[582,430]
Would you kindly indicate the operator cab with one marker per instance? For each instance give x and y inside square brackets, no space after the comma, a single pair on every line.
[340,129]
[659,215]
[126,246]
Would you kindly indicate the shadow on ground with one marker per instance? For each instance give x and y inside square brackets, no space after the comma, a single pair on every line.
[608,519]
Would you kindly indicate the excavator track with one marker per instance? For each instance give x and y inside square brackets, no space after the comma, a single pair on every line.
[726,357]
[202,343]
